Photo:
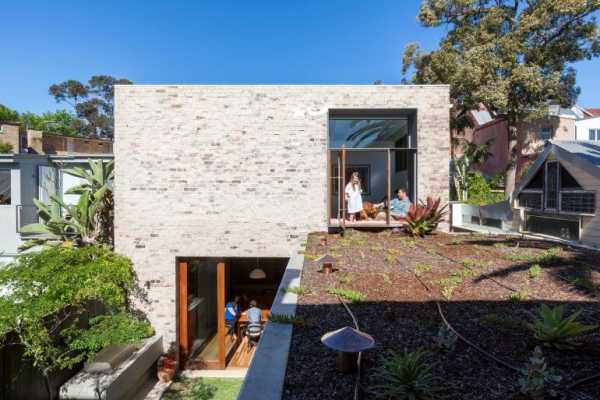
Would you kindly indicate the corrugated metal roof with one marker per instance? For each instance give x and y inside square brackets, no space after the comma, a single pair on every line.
[587,150]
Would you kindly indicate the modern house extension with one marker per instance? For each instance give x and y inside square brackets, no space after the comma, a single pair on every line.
[218,186]
[557,196]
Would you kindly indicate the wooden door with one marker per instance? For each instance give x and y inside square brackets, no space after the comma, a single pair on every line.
[221,329]
[182,288]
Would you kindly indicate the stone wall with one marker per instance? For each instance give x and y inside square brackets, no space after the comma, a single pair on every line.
[240,170]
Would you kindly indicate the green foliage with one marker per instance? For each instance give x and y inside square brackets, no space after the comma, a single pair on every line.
[545,257]
[389,259]
[93,102]
[352,295]
[296,320]
[479,191]
[58,122]
[534,271]
[553,329]
[299,290]
[512,56]
[6,148]
[88,222]
[519,296]
[346,279]
[203,389]
[104,330]
[422,268]
[423,219]
[404,377]
[7,114]
[461,167]
[535,376]
[51,289]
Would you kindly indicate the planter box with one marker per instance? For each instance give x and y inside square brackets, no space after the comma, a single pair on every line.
[119,383]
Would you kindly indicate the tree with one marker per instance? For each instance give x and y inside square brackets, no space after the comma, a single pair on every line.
[8,114]
[472,154]
[93,102]
[513,56]
[58,122]
[51,293]
[86,223]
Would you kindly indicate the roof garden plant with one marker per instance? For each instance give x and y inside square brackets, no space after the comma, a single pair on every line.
[50,295]
[423,218]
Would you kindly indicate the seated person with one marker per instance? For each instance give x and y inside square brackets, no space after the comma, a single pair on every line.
[399,205]
[232,309]
[254,313]
[254,329]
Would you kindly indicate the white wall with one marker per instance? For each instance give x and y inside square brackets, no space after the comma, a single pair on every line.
[584,125]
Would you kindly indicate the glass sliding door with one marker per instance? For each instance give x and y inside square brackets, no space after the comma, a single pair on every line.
[379,146]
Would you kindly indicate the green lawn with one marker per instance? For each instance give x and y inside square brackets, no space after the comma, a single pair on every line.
[204,389]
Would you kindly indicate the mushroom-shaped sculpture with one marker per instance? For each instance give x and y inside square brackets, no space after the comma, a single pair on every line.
[348,342]
[326,263]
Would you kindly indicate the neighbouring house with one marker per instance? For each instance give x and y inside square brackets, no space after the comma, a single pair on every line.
[558,124]
[588,124]
[557,195]
[37,171]
[37,142]
[487,129]
[218,186]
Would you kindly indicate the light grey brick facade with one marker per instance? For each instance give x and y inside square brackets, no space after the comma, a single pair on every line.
[240,170]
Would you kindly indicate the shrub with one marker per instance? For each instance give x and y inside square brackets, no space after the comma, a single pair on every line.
[554,330]
[422,219]
[480,192]
[422,268]
[404,376]
[104,330]
[48,293]
[535,376]
[519,296]
[6,148]
[352,295]
[535,271]
[299,290]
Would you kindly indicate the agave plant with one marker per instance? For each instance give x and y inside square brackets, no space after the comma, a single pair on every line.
[405,377]
[553,329]
[422,219]
[85,223]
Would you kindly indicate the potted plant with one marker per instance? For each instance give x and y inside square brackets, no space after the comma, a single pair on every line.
[167,364]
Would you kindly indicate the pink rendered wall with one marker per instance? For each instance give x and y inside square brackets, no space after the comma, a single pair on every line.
[499,147]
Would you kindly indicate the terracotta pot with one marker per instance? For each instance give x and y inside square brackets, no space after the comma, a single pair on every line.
[166,374]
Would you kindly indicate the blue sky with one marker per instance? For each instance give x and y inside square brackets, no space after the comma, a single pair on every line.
[225,42]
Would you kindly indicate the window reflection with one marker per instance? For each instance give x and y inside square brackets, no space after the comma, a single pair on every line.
[369,133]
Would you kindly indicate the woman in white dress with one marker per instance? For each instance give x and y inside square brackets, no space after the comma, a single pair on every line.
[354,196]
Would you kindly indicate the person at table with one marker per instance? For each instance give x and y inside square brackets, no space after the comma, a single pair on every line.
[232,309]
[254,313]
[399,204]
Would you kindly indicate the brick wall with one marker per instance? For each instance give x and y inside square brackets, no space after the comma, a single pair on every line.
[240,170]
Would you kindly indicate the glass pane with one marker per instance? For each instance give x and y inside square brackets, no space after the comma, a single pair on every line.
[5,186]
[551,184]
[365,133]
[567,181]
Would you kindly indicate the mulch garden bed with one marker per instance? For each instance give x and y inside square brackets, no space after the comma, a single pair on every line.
[496,292]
